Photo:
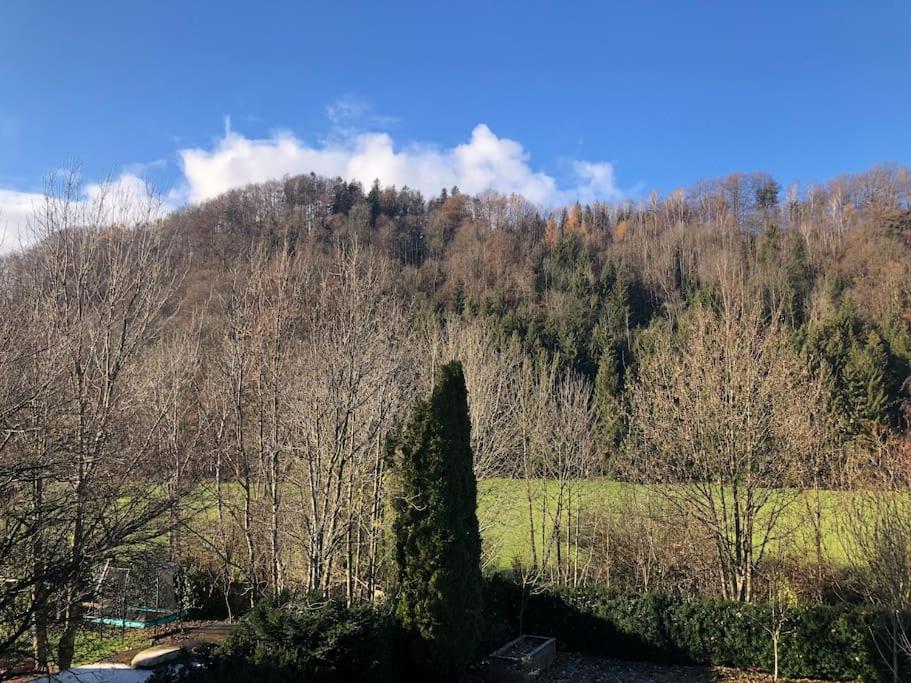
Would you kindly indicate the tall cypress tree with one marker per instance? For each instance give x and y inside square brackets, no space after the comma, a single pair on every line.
[437,541]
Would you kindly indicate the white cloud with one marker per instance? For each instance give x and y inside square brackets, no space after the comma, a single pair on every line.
[15,210]
[129,199]
[125,200]
[595,181]
[485,162]
[351,114]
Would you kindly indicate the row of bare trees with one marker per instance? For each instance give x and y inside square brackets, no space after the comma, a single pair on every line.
[86,420]
[310,367]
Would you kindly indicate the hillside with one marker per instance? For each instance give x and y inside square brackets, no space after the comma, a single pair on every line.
[215,390]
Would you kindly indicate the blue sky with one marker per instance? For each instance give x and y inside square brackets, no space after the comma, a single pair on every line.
[559,100]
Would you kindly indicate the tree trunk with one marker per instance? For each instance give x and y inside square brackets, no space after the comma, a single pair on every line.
[775,639]
[39,594]
[71,620]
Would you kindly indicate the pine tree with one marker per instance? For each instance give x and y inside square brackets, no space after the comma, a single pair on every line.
[865,379]
[798,280]
[770,245]
[374,201]
[855,365]
[437,541]
[608,389]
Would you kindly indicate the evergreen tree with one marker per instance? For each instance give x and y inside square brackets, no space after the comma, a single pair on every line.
[827,348]
[608,393]
[617,311]
[798,280]
[767,197]
[866,383]
[856,366]
[437,541]
[374,201]
[769,245]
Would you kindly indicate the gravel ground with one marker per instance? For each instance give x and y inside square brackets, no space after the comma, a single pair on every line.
[576,667]
[572,667]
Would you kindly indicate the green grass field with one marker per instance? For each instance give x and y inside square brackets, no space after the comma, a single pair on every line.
[503,513]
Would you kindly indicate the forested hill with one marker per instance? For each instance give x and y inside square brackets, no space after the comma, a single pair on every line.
[226,377]
[594,287]
[591,283]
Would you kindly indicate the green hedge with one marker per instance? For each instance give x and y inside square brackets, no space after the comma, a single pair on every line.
[816,642]
[327,641]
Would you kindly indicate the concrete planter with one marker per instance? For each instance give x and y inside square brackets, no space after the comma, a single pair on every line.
[523,659]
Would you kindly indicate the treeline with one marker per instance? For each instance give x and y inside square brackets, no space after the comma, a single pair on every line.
[585,284]
[215,386]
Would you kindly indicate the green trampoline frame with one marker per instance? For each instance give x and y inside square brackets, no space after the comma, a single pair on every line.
[167,616]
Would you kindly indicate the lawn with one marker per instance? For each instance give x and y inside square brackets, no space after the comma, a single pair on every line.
[97,643]
[503,513]
[94,644]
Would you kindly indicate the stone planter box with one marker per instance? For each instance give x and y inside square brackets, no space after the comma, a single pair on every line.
[523,659]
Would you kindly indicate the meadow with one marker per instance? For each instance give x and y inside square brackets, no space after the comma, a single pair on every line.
[503,513]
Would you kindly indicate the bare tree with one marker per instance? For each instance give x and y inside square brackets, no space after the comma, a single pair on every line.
[26,512]
[721,419]
[563,440]
[352,375]
[102,282]
[251,389]
[555,428]
[876,526]
[491,364]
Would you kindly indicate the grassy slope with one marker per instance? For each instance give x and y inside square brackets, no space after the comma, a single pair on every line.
[503,512]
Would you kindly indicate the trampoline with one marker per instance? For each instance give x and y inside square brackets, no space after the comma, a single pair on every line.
[134,597]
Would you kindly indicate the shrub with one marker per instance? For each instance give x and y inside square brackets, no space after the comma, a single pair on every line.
[201,594]
[313,642]
[816,642]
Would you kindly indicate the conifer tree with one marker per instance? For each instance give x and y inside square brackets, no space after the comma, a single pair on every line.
[373,201]
[865,381]
[437,541]
[608,389]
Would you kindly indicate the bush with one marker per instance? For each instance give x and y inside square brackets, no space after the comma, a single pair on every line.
[313,642]
[816,641]
[329,642]
[201,594]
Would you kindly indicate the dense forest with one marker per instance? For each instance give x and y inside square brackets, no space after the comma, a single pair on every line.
[703,393]
[592,286]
